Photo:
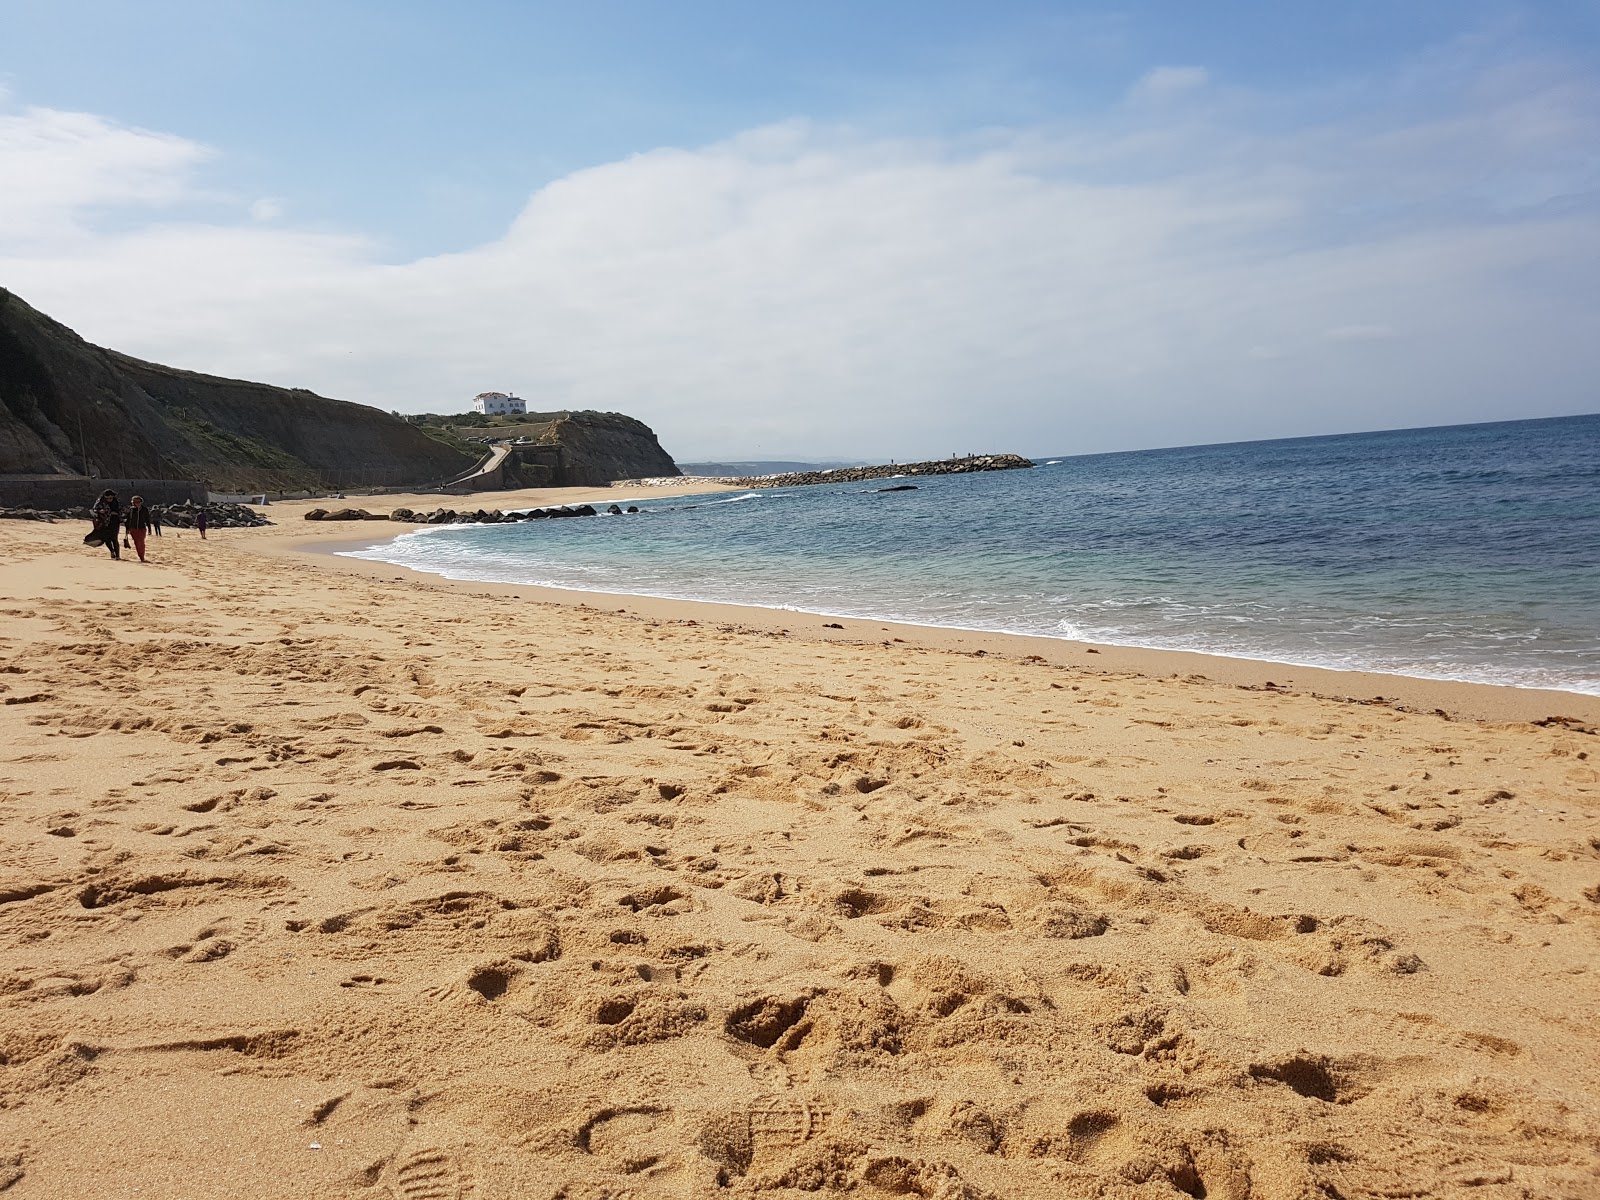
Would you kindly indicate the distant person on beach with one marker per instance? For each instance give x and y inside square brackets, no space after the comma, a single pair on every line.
[201,521]
[155,519]
[107,521]
[137,522]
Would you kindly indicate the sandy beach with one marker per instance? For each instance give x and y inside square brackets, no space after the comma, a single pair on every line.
[321,878]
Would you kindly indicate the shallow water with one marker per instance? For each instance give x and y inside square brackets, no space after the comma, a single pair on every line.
[1468,552]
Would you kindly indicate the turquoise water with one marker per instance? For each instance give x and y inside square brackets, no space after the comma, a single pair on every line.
[1468,552]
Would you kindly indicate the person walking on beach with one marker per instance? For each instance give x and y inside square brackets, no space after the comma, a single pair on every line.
[155,519]
[107,521]
[137,522]
[200,522]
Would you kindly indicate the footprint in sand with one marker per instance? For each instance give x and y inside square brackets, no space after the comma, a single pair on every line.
[429,1173]
[364,981]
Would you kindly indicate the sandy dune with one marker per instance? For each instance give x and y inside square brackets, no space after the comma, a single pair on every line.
[322,884]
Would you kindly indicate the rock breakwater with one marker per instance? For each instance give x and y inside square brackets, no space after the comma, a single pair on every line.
[450,516]
[179,516]
[218,516]
[944,466]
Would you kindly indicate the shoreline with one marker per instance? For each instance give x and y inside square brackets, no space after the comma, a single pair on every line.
[1453,698]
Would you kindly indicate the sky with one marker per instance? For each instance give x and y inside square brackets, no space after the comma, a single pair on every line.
[853,230]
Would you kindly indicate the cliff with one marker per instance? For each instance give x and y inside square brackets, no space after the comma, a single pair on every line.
[597,447]
[68,407]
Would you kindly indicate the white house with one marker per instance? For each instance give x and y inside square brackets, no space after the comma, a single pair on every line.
[495,404]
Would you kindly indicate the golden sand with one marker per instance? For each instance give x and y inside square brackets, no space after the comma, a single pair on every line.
[322,879]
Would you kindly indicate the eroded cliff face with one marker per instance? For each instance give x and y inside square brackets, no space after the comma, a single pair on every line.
[597,447]
[69,407]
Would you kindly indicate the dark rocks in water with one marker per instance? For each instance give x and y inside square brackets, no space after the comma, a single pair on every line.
[903,487]
[449,516]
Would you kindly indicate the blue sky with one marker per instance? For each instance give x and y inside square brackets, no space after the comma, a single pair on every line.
[829,228]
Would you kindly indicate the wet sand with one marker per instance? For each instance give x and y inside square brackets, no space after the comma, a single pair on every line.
[323,878]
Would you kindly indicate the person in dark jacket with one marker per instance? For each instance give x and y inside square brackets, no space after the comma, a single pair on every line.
[107,521]
[201,521]
[138,522]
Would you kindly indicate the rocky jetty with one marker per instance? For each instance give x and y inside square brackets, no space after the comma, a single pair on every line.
[943,466]
[450,516]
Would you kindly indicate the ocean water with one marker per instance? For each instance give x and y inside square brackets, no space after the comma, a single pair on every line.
[1468,552]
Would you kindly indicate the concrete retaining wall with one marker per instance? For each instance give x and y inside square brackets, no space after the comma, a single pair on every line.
[66,491]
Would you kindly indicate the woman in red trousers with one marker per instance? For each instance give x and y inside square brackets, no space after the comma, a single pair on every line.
[137,523]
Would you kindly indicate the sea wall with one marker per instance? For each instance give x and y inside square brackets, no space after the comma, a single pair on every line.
[70,491]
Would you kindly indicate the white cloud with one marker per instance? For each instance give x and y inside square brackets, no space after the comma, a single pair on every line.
[57,165]
[1163,83]
[803,291]
[266,209]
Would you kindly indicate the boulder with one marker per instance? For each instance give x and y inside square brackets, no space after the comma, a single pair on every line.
[402,514]
[348,514]
[317,514]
